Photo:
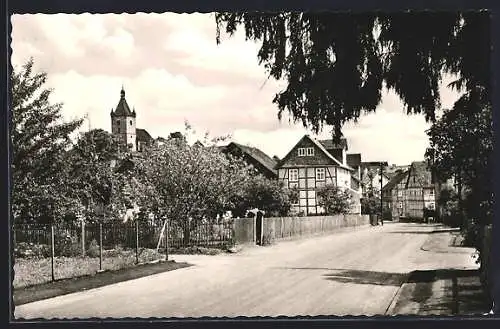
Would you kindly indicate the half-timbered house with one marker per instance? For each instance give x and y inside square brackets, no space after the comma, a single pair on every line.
[309,166]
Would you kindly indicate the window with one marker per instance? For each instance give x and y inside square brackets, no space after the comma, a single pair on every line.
[400,193]
[431,192]
[117,122]
[320,174]
[118,129]
[305,151]
[293,175]
[130,122]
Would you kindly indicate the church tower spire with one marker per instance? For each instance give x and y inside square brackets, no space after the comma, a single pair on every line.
[123,122]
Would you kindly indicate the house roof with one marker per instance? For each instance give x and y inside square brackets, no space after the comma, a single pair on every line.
[122,109]
[330,144]
[259,156]
[354,160]
[423,176]
[321,147]
[394,170]
[142,135]
[176,134]
[368,164]
[395,180]
[198,143]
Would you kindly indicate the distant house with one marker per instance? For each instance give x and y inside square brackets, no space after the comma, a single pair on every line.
[371,179]
[311,164]
[198,144]
[393,170]
[143,138]
[394,194]
[420,190]
[354,161]
[254,157]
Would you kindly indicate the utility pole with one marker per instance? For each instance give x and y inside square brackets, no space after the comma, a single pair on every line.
[381,195]
[382,164]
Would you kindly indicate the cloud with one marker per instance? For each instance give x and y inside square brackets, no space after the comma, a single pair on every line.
[173,71]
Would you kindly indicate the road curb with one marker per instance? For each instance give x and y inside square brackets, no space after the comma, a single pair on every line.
[390,309]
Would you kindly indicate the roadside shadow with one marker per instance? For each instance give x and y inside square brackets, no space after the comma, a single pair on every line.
[424,232]
[366,277]
[356,276]
[462,292]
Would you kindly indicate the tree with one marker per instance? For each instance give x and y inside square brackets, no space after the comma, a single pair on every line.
[336,64]
[264,194]
[461,144]
[186,184]
[96,182]
[40,189]
[334,200]
[370,205]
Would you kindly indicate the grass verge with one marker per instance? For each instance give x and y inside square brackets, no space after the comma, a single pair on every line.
[34,271]
[46,290]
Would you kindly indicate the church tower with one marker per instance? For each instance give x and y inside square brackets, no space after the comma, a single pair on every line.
[123,123]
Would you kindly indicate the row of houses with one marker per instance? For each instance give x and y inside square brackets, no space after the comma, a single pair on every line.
[311,164]
[413,190]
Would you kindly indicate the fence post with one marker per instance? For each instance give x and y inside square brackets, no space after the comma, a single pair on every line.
[137,241]
[83,237]
[100,247]
[52,253]
[166,239]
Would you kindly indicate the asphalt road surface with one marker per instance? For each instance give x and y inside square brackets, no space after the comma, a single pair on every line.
[356,272]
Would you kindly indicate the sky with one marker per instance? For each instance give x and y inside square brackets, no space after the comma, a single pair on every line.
[173,71]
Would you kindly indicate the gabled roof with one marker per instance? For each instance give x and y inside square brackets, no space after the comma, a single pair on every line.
[122,109]
[400,176]
[393,170]
[256,154]
[321,147]
[422,173]
[354,160]
[142,135]
[198,144]
[330,144]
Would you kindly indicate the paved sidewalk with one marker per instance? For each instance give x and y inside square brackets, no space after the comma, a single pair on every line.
[442,291]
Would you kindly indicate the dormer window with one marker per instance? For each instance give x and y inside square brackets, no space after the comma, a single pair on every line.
[305,151]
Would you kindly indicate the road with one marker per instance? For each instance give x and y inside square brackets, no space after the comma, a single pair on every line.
[354,272]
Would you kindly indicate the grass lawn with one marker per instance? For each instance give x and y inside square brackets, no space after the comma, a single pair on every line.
[28,272]
[46,290]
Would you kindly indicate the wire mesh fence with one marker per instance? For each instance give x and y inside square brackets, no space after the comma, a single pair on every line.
[69,250]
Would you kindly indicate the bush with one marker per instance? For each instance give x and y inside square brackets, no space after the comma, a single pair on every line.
[67,245]
[93,249]
[31,250]
[334,199]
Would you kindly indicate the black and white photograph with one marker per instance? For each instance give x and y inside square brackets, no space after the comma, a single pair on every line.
[251,164]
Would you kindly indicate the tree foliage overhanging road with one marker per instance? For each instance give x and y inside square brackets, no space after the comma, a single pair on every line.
[336,64]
